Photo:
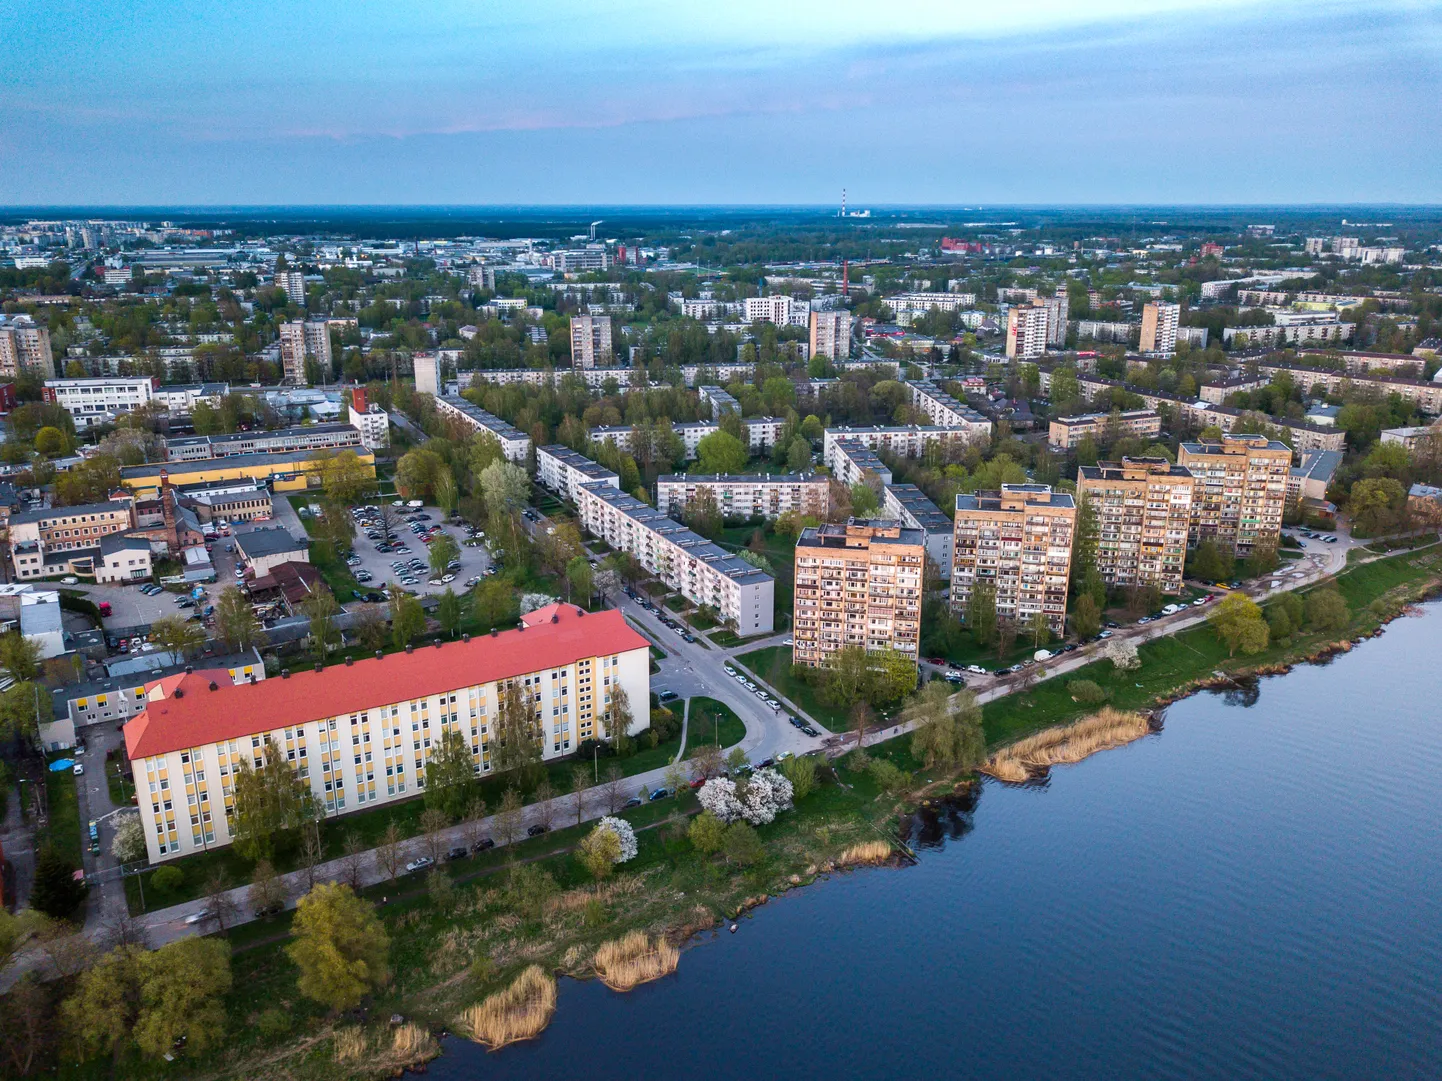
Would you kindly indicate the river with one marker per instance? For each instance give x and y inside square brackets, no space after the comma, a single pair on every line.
[1253,892]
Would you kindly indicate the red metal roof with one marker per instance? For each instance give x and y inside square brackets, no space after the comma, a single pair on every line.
[192,715]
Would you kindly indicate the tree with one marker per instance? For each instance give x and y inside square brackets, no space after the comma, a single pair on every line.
[52,442]
[613,787]
[1327,610]
[981,613]
[742,845]
[798,455]
[54,891]
[579,580]
[346,479]
[321,608]
[448,612]
[450,774]
[801,772]
[177,636]
[217,898]
[1086,620]
[182,996]
[27,1024]
[1038,630]
[417,472]
[1084,539]
[617,717]
[542,797]
[443,551]
[235,622]
[390,853]
[269,800]
[494,603]
[267,892]
[408,618]
[598,852]
[505,489]
[1239,622]
[859,719]
[948,727]
[516,736]
[20,656]
[580,782]
[892,675]
[721,452]
[24,707]
[703,514]
[508,816]
[864,501]
[1209,564]
[433,824]
[102,1012]
[707,833]
[339,946]
[1375,505]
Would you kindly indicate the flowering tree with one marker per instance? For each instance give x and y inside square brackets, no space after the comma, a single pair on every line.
[718,795]
[129,843]
[758,799]
[531,601]
[1122,652]
[625,835]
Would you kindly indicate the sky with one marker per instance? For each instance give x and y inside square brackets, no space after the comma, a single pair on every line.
[182,102]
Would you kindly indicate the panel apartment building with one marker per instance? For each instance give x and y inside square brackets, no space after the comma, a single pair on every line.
[908,504]
[702,572]
[944,411]
[98,401]
[1160,319]
[852,462]
[1144,515]
[515,444]
[831,334]
[299,339]
[565,472]
[1065,433]
[1241,490]
[360,733]
[857,584]
[25,347]
[591,341]
[1019,541]
[747,495]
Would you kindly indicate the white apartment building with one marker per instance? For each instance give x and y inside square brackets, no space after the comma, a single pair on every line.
[1026,332]
[747,495]
[761,433]
[908,504]
[1057,309]
[184,398]
[946,412]
[920,303]
[361,733]
[300,339]
[427,369]
[831,334]
[482,277]
[565,472]
[577,260]
[293,282]
[719,400]
[908,441]
[776,308]
[1098,330]
[853,462]
[515,444]
[594,378]
[25,346]
[1160,319]
[373,422]
[97,401]
[699,570]
[195,448]
[591,341]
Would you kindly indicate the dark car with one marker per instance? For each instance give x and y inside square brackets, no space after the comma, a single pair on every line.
[457,853]
[660,793]
[538,829]
[766,762]
[797,721]
[634,801]
[483,844]
[265,912]
[809,730]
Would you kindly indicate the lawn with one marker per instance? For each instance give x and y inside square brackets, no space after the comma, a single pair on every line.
[677,603]
[713,722]
[699,621]
[118,781]
[62,827]
[773,665]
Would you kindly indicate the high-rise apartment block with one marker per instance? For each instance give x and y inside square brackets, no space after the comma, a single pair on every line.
[1241,491]
[831,334]
[300,339]
[25,346]
[590,341]
[1057,309]
[1143,510]
[776,308]
[427,368]
[857,584]
[1159,326]
[293,282]
[1026,332]
[1017,541]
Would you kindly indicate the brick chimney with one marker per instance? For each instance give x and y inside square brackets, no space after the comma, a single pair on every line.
[358,399]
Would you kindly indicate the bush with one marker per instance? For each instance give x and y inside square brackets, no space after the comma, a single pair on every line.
[1087,692]
[167,879]
[273,1023]
[665,724]
[889,777]
[54,890]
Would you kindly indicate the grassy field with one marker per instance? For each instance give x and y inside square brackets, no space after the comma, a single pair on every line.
[773,664]
[62,828]
[713,722]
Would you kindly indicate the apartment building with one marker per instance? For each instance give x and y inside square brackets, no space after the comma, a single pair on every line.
[25,347]
[1057,309]
[1425,394]
[906,441]
[1160,319]
[565,472]
[515,444]
[747,495]
[719,400]
[368,418]
[98,401]
[907,504]
[944,411]
[1026,332]
[593,378]
[361,733]
[42,540]
[857,584]
[761,433]
[591,341]
[853,462]
[699,570]
[300,339]
[427,370]
[831,334]
[1317,332]
[579,260]
[1216,392]
[184,397]
[1066,432]
[194,448]
[776,308]
[1241,490]
[1017,540]
[1313,476]
[1099,330]
[1144,513]
[293,282]
[920,303]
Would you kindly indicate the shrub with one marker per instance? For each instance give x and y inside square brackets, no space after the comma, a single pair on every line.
[707,833]
[625,836]
[801,772]
[635,959]
[1087,692]
[167,879]
[273,1023]
[889,777]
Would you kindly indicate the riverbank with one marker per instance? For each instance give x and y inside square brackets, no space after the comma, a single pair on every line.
[451,948]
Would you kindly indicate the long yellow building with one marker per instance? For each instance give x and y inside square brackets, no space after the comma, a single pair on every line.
[289,471]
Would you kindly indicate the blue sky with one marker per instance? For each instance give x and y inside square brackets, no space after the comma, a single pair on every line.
[643,101]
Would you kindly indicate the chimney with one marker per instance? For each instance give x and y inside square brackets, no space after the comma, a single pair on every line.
[465,638]
[410,649]
[379,654]
[285,673]
[555,618]
[180,692]
[319,667]
[214,686]
[188,669]
[494,632]
[349,661]
[439,643]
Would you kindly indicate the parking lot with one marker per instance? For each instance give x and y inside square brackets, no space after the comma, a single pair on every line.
[408,529]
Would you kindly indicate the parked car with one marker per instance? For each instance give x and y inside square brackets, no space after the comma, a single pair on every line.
[457,853]
[634,801]
[483,844]
[419,864]
[809,730]
[538,829]
[199,917]
[660,793]
[77,769]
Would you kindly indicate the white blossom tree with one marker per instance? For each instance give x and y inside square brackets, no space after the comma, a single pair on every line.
[532,601]
[758,799]
[624,834]
[129,843]
[718,795]
[1122,652]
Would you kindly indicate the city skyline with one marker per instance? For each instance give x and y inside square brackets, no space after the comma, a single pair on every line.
[1182,103]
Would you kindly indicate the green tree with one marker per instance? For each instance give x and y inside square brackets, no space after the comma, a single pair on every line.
[598,851]
[798,455]
[865,503]
[1084,542]
[892,675]
[1086,619]
[948,727]
[1038,630]
[235,622]
[505,488]
[346,479]
[981,612]
[1239,623]
[516,738]
[20,656]
[270,801]
[177,636]
[707,833]
[417,473]
[1210,564]
[1327,610]
[443,551]
[101,1014]
[321,609]
[580,580]
[801,772]
[495,603]
[52,442]
[703,514]
[1375,505]
[54,891]
[24,707]
[743,845]
[450,774]
[339,945]
[721,452]
[846,678]
[182,996]
[408,619]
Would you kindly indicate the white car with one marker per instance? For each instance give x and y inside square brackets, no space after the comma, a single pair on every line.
[198,917]
[447,578]
[69,580]
[728,669]
[77,769]
[976,669]
[419,864]
[739,677]
[435,582]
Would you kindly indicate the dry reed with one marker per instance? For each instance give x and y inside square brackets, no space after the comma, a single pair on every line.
[634,959]
[350,1043]
[1033,756]
[864,852]
[411,1041]
[519,1012]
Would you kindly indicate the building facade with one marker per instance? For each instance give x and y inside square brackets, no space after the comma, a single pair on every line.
[565,472]
[1160,319]
[944,411]
[853,462]
[361,733]
[857,584]
[591,341]
[762,495]
[25,347]
[373,422]
[1026,332]
[1143,510]
[831,334]
[1018,541]
[98,401]
[908,504]
[515,444]
[1241,491]
[194,448]
[299,339]
[1066,432]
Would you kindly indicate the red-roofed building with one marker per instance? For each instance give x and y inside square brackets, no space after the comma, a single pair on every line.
[360,732]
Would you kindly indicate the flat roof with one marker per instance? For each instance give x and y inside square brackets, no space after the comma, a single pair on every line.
[268,542]
[234,461]
[742,478]
[927,514]
[835,534]
[277,433]
[695,545]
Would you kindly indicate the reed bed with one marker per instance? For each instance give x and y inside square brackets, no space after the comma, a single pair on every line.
[350,1043]
[864,852]
[411,1041]
[634,959]
[519,1012]
[1031,757]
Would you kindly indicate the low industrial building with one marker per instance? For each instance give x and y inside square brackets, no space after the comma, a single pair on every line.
[291,471]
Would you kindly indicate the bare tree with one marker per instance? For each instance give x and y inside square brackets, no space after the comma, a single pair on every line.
[580,781]
[311,852]
[390,853]
[218,901]
[614,789]
[69,953]
[433,825]
[123,929]
[508,818]
[27,1027]
[707,760]
[389,517]
[545,808]
[352,861]
[475,822]
[267,892]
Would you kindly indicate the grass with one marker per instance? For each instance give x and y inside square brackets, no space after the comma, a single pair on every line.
[62,826]
[780,553]
[699,621]
[864,852]
[118,782]
[677,603]
[773,665]
[715,722]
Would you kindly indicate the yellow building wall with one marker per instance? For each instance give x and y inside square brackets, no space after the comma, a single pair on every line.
[284,476]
